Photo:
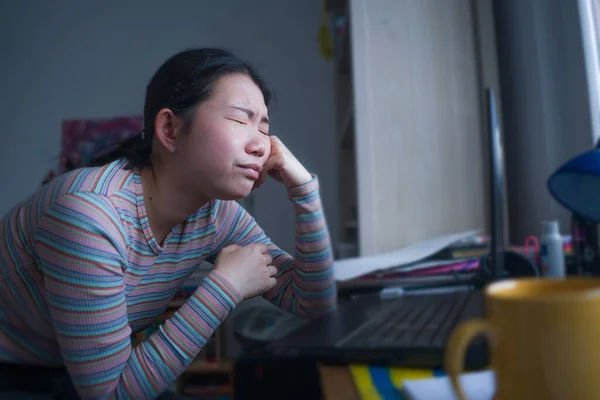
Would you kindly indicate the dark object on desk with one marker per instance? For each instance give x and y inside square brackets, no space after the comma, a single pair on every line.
[409,331]
[366,329]
[259,325]
[276,378]
[515,266]
[584,234]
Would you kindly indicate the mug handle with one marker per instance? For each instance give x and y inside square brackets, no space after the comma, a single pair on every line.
[456,348]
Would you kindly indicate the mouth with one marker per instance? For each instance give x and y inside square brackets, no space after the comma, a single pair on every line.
[252,170]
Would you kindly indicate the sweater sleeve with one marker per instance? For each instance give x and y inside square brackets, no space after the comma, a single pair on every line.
[82,250]
[305,282]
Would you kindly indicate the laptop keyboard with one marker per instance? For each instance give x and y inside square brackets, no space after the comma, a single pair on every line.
[412,321]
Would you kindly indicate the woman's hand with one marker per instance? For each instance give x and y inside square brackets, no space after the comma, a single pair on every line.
[247,268]
[283,167]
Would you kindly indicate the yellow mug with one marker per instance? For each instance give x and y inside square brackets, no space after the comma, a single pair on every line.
[544,339]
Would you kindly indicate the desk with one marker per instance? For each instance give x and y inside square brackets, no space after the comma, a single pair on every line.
[337,383]
[309,351]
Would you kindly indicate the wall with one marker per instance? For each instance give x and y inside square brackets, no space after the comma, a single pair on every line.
[93,59]
[545,104]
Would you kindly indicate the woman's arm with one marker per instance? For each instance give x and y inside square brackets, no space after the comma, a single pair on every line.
[82,248]
[305,283]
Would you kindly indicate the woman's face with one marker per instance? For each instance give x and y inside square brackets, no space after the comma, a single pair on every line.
[228,142]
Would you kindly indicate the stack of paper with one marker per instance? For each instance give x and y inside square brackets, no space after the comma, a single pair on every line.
[354,267]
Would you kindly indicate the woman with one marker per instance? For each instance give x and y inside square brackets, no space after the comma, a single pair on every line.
[98,253]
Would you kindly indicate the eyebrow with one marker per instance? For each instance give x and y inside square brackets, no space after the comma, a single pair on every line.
[250,113]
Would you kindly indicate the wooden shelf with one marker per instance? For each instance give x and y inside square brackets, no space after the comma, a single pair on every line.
[201,367]
[207,391]
[203,378]
[219,368]
[351,224]
[176,303]
[334,5]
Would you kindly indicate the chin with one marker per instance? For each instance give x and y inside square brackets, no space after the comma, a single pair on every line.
[232,196]
[234,193]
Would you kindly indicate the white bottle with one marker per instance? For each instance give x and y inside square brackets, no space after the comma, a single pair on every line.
[551,251]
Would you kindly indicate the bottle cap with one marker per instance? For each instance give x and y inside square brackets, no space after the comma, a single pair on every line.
[550,227]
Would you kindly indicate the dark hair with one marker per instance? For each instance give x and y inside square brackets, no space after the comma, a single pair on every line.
[180,84]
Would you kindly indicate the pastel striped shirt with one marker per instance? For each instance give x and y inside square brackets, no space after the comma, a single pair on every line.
[81,270]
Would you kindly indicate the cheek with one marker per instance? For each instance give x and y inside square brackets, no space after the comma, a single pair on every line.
[212,139]
[219,148]
[220,144]
[226,147]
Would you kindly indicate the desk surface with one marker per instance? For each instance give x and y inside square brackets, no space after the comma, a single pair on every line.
[337,383]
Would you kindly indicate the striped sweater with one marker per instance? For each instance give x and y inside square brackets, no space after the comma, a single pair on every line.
[81,270]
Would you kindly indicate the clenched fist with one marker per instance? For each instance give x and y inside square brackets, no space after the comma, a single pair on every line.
[247,268]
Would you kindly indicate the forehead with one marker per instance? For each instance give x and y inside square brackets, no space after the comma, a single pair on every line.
[239,89]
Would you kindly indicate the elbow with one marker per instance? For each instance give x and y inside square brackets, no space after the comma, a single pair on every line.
[325,306]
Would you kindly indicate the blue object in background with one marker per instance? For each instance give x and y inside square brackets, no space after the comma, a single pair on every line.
[576,185]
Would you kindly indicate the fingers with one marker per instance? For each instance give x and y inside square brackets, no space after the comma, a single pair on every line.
[260,246]
[272,270]
[230,248]
[268,259]
[272,283]
[271,164]
[276,142]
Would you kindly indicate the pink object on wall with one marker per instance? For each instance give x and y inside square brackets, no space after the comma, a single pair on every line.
[84,139]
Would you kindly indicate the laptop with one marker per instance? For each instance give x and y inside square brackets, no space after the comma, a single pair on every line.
[412,329]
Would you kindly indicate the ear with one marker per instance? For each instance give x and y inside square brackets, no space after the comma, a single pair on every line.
[166,128]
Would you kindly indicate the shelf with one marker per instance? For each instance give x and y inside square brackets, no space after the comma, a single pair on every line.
[334,5]
[176,303]
[347,250]
[202,367]
[352,224]
[346,134]
[207,391]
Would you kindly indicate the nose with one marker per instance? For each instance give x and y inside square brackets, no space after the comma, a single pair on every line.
[256,146]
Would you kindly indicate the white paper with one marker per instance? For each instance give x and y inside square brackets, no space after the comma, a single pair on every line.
[429,264]
[354,267]
[476,385]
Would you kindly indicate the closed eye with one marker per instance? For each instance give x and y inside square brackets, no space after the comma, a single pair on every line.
[245,123]
[238,121]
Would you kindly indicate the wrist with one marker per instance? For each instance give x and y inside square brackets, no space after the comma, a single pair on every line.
[228,284]
[299,193]
[299,179]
